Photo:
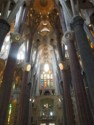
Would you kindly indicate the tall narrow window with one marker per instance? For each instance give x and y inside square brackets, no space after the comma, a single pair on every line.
[46,80]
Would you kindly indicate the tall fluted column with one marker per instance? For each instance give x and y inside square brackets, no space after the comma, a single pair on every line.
[25,92]
[4,29]
[85,116]
[66,87]
[5,90]
[86,54]
[59,77]
[23,110]
[23,106]
[67,96]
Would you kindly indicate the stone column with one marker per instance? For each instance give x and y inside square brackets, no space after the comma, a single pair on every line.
[85,116]
[60,86]
[6,10]
[4,29]
[23,108]
[24,99]
[86,54]
[66,87]
[67,96]
[19,17]
[62,19]
[5,90]
[34,85]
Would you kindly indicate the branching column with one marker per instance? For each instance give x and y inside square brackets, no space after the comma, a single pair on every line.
[60,85]
[85,116]
[24,101]
[68,102]
[86,54]
[25,93]
[66,87]
[24,97]
[5,90]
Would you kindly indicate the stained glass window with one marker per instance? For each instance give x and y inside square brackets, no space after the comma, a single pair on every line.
[46,80]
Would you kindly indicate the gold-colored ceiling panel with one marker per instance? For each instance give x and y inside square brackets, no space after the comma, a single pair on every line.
[45,28]
[43,6]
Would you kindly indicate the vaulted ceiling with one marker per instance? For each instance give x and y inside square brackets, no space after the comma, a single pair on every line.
[48,13]
[45,13]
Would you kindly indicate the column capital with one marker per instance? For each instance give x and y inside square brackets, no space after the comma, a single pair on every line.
[77,20]
[68,36]
[16,38]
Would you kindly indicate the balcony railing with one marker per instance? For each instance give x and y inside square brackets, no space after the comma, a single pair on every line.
[47,117]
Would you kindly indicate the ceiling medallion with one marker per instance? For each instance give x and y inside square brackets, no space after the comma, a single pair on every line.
[43,6]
